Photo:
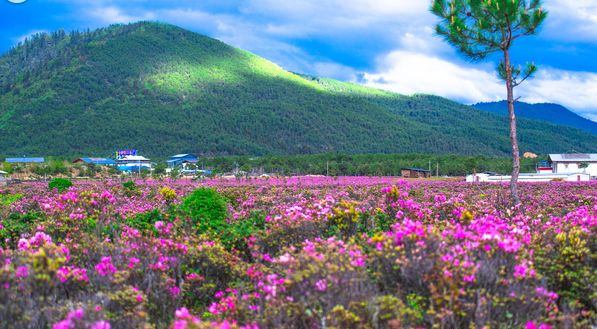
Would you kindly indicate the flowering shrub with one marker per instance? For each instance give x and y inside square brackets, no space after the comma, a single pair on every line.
[299,252]
[207,209]
[60,184]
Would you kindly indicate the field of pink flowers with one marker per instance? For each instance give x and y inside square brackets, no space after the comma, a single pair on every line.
[302,252]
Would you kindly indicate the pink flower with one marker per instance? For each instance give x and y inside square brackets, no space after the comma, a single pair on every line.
[182,312]
[133,261]
[179,324]
[530,325]
[105,267]
[64,324]
[22,272]
[520,271]
[77,314]
[321,285]
[174,291]
[159,225]
[23,244]
[62,274]
[101,325]
[469,278]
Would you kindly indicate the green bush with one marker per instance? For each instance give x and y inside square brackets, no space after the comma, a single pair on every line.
[234,236]
[207,209]
[61,184]
[129,185]
[144,221]
[17,224]
[8,199]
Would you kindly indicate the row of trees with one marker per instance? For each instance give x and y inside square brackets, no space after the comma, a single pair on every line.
[318,164]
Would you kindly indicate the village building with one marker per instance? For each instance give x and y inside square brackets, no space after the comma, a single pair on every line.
[25,160]
[182,160]
[186,163]
[3,180]
[415,173]
[574,167]
[574,163]
[529,177]
[96,161]
[132,163]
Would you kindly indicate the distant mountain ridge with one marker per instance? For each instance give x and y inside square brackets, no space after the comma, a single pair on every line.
[164,90]
[554,113]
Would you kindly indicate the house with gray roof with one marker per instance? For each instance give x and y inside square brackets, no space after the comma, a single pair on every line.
[573,163]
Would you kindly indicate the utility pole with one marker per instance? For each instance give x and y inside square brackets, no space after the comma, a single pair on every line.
[327,168]
[429,165]
[437,169]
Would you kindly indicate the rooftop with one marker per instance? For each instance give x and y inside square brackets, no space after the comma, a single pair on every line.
[133,158]
[573,157]
[25,160]
[100,161]
[416,169]
[183,155]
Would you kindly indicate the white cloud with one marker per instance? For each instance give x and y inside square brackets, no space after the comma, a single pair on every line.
[409,72]
[590,116]
[576,90]
[337,18]
[412,72]
[357,10]
[335,71]
[572,20]
[113,14]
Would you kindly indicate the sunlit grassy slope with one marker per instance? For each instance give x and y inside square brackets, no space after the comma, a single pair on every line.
[165,90]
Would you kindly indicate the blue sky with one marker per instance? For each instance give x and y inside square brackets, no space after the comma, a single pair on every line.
[386,44]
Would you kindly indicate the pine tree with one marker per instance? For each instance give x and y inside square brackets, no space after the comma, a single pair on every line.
[478,28]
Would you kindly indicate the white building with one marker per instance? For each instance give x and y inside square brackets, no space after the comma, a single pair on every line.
[131,163]
[540,177]
[572,163]
[2,177]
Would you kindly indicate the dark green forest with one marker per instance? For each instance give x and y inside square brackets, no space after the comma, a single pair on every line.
[363,164]
[554,113]
[164,90]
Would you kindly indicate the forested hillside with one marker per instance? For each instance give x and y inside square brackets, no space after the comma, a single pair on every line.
[164,90]
[553,113]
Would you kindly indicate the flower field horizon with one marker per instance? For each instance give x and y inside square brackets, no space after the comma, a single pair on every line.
[297,252]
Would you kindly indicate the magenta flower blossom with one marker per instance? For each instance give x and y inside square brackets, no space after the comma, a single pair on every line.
[101,325]
[133,261]
[321,285]
[22,272]
[105,267]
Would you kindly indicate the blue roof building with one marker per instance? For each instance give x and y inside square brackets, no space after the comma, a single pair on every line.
[180,159]
[96,161]
[25,160]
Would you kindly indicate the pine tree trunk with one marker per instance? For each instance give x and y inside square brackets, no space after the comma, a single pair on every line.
[513,137]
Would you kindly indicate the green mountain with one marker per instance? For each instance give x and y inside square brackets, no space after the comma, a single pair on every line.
[549,112]
[164,90]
